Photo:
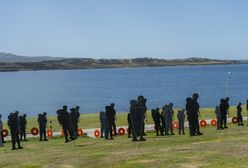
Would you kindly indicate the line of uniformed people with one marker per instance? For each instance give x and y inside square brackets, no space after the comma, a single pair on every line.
[163,121]
[69,122]
[107,119]
[136,119]
[14,126]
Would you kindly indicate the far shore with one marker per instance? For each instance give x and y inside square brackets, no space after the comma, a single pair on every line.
[113,67]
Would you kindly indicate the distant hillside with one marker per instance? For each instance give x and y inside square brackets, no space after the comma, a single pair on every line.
[89,63]
[11,58]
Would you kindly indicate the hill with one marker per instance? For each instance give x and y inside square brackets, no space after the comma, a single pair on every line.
[11,58]
[10,62]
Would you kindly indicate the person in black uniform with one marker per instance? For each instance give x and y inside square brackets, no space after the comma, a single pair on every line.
[133,119]
[102,118]
[190,118]
[74,122]
[143,102]
[13,123]
[23,123]
[138,109]
[129,125]
[156,119]
[64,119]
[162,121]
[42,120]
[239,115]
[223,112]
[226,103]
[115,118]
[110,117]
[77,114]
[196,112]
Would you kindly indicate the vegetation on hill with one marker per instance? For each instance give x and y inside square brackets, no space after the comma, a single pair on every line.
[89,63]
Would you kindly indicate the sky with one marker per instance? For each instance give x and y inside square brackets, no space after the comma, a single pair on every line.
[125,28]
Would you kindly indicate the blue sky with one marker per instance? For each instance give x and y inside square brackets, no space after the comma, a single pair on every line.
[125,28]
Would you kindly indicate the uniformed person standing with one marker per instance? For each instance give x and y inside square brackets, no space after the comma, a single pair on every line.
[137,111]
[226,111]
[23,124]
[159,121]
[190,117]
[13,123]
[74,122]
[218,116]
[144,100]
[64,119]
[168,114]
[196,112]
[162,122]
[42,120]
[106,125]
[129,125]
[156,119]
[77,118]
[141,117]
[110,116]
[115,118]
[223,112]
[102,122]
[133,118]
[181,118]
[239,115]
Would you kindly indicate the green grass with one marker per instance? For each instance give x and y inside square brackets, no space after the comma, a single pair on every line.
[225,148]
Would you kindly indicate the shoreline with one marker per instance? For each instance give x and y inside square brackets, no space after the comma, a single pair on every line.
[119,67]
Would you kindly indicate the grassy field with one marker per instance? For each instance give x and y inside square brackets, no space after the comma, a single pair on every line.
[224,148]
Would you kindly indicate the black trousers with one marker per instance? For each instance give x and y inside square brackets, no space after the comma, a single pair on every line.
[240,119]
[67,131]
[110,129]
[129,129]
[158,127]
[223,120]
[114,127]
[219,125]
[163,127]
[192,128]
[196,125]
[15,138]
[23,134]
[75,130]
[42,132]
[102,128]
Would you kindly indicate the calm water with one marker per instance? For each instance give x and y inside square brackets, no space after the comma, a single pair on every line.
[33,92]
